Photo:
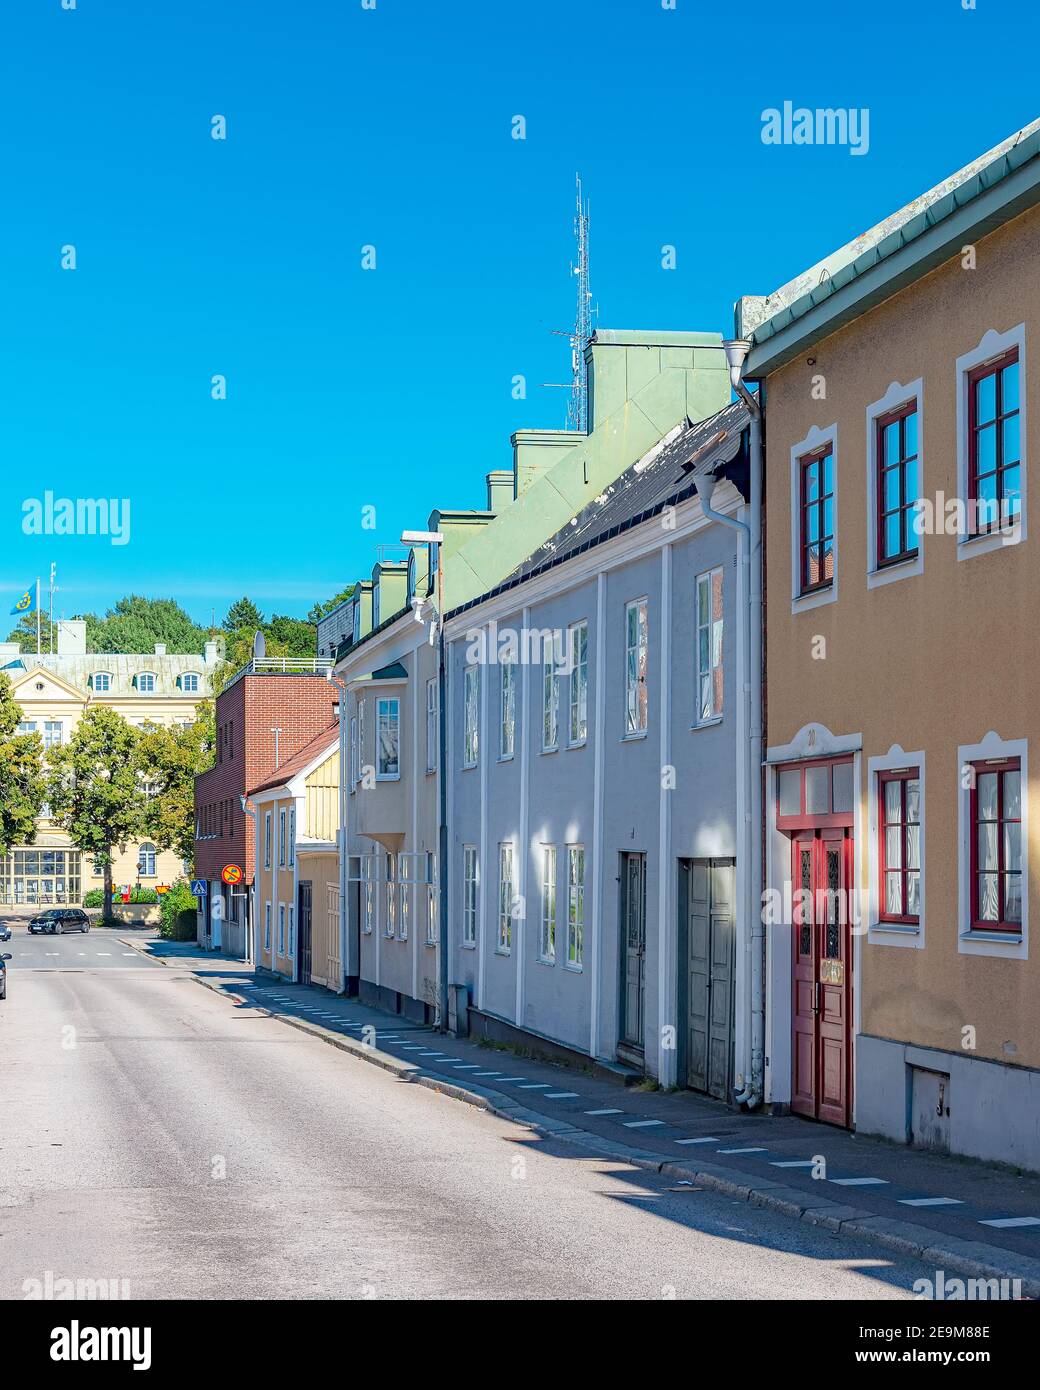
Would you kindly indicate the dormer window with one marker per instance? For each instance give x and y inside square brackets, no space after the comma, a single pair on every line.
[357,622]
[101,682]
[144,682]
[411,576]
[375,605]
[189,682]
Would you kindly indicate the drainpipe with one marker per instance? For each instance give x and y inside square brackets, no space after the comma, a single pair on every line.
[344,777]
[754,1085]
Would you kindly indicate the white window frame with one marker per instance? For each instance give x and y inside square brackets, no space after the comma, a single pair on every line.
[267,839]
[506,881]
[575,959]
[550,701]
[471,716]
[267,927]
[367,896]
[147,854]
[281,929]
[988,943]
[991,345]
[550,897]
[705,580]
[353,752]
[816,439]
[578,685]
[146,676]
[291,857]
[507,710]
[360,738]
[432,725]
[470,895]
[881,933]
[105,676]
[189,682]
[390,900]
[894,397]
[49,726]
[281,837]
[388,715]
[432,900]
[633,606]
[291,939]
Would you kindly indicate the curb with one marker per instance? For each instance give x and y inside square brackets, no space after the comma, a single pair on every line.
[974,1259]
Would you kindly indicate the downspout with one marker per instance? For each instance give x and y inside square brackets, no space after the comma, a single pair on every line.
[754,1088]
[344,776]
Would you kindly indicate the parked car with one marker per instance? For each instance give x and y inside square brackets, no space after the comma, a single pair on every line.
[60,919]
[5,932]
[4,958]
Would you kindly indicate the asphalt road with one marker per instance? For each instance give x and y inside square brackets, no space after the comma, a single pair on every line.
[152,1133]
[97,949]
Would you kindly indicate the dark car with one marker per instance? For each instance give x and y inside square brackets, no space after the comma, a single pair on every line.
[60,919]
[5,932]
[4,958]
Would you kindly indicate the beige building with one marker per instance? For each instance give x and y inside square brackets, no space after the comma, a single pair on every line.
[296,887]
[54,691]
[901,659]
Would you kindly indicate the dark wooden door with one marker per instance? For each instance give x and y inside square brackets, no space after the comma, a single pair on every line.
[822,976]
[709,937]
[633,950]
[303,931]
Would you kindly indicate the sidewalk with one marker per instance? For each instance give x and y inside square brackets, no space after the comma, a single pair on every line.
[962,1216]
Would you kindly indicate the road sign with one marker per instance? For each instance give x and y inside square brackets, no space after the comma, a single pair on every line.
[199,887]
[161,888]
[231,873]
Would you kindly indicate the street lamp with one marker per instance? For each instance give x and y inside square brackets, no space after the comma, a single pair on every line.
[434,541]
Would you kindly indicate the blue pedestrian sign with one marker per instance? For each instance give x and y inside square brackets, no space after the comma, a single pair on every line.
[198,887]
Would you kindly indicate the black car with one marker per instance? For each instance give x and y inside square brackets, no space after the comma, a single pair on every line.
[60,919]
[5,932]
[4,958]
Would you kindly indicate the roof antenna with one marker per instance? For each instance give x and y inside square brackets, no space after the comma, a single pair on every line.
[578,407]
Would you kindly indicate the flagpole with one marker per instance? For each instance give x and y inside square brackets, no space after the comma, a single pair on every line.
[37,615]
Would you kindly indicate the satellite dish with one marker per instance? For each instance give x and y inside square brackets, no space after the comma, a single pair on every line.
[259,645]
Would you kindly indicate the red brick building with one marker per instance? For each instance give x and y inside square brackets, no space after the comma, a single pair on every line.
[263,717]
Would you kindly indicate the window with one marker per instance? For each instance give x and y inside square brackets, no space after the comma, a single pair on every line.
[505,898]
[817,793]
[281,929]
[899,846]
[267,926]
[189,683]
[292,834]
[507,723]
[432,726]
[145,682]
[470,888]
[470,740]
[292,930]
[550,701]
[996,820]
[369,915]
[578,637]
[27,726]
[636,642]
[391,896]
[353,751]
[281,838]
[101,682]
[52,733]
[267,839]
[388,739]
[709,684]
[146,861]
[994,455]
[575,905]
[547,938]
[432,900]
[816,523]
[406,907]
[898,489]
[361,738]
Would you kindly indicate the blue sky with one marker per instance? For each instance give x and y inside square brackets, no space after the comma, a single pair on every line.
[392,388]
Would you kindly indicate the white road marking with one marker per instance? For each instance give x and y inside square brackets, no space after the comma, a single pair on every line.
[97,953]
[512,1078]
[743,1151]
[640,1124]
[535,1086]
[561,1095]
[488,1073]
[860,1182]
[710,1139]
[1004,1223]
[604,1112]
[930,1202]
[792,1163]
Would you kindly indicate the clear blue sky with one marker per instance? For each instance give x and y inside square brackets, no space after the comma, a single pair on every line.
[392,127]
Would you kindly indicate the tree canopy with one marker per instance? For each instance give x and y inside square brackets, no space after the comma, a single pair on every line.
[22,781]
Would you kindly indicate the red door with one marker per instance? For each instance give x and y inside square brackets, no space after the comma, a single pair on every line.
[822,976]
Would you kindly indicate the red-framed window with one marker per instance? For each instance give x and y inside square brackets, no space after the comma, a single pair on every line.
[816,793]
[897,484]
[996,846]
[899,845]
[994,447]
[816,520]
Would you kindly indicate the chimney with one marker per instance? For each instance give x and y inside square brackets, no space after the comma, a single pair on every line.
[160,649]
[72,637]
[501,489]
[536,451]
[211,653]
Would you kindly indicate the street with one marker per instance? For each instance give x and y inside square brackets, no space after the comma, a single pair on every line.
[157,1137]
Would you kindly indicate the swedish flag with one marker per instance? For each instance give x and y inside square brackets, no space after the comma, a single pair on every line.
[27,602]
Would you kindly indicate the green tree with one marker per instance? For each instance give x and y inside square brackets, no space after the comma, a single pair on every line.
[94,788]
[243,613]
[321,610]
[24,633]
[135,624]
[169,760]
[23,787]
[296,635]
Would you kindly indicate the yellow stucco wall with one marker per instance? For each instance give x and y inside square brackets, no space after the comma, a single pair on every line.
[930,662]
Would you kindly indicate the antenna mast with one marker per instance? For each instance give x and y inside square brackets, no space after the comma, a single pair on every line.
[578,407]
